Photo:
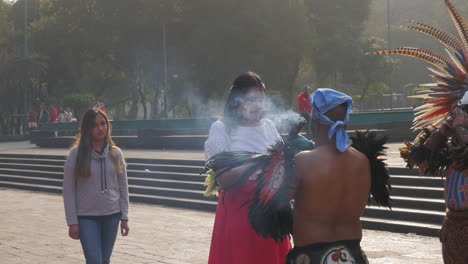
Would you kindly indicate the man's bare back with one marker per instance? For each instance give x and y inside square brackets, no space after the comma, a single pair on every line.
[333,190]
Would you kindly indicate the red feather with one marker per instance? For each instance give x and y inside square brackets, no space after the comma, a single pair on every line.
[269,179]
[440,101]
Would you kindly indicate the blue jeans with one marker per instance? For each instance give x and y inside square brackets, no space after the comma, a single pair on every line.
[97,237]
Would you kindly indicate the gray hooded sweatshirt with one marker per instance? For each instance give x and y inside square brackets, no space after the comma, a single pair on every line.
[104,193]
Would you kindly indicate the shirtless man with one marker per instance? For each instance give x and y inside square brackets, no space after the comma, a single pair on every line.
[332,188]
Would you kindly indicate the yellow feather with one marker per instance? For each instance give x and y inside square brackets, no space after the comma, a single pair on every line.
[436,72]
[424,106]
[423,113]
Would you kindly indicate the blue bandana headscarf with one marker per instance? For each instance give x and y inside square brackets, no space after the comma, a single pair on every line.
[322,101]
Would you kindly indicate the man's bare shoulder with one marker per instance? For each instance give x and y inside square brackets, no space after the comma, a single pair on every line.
[357,154]
[310,159]
[306,156]
[324,154]
[305,160]
[359,158]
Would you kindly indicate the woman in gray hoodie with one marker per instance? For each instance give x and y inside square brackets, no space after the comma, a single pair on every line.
[95,189]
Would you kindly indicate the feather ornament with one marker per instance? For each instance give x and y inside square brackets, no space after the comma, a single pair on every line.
[450,73]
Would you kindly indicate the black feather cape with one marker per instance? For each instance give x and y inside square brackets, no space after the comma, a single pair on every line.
[374,148]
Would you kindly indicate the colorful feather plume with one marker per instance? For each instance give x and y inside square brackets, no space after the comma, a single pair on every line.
[270,213]
[414,154]
[451,73]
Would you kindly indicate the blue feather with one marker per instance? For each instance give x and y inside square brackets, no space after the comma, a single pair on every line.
[447,94]
[452,71]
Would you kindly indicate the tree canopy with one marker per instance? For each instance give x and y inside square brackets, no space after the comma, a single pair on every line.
[149,59]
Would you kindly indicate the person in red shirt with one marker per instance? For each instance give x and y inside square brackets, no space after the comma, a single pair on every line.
[304,107]
[303,102]
[53,114]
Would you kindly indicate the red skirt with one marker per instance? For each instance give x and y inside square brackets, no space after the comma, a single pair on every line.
[234,241]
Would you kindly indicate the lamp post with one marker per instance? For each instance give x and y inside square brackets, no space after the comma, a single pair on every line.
[26,55]
[388,42]
[165,71]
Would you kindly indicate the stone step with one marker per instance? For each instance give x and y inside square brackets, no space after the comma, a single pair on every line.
[404,171]
[402,185]
[405,214]
[187,177]
[59,160]
[33,156]
[53,162]
[57,166]
[417,191]
[416,181]
[32,173]
[194,182]
[133,181]
[31,187]
[135,166]
[35,167]
[200,163]
[417,203]
[31,180]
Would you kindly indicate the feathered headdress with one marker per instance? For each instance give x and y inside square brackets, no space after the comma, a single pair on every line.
[450,73]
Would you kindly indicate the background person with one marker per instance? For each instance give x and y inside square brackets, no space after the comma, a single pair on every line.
[243,127]
[95,189]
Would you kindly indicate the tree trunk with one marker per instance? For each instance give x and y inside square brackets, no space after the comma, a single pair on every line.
[363,94]
[133,112]
[289,80]
[3,124]
[143,101]
[156,106]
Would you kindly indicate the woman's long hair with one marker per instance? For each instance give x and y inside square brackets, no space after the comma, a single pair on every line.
[240,87]
[83,142]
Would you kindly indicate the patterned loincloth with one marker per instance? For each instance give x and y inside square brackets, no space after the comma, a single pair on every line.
[346,252]
[454,237]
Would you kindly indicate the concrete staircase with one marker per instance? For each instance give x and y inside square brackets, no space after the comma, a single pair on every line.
[418,205]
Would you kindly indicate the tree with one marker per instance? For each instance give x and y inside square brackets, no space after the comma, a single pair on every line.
[225,38]
[339,25]
[372,73]
[114,50]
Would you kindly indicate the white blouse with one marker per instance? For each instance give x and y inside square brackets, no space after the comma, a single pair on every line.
[252,139]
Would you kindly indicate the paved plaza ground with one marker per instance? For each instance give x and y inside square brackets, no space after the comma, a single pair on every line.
[33,231]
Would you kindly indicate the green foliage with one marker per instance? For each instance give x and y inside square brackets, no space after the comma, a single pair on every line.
[339,25]
[113,50]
